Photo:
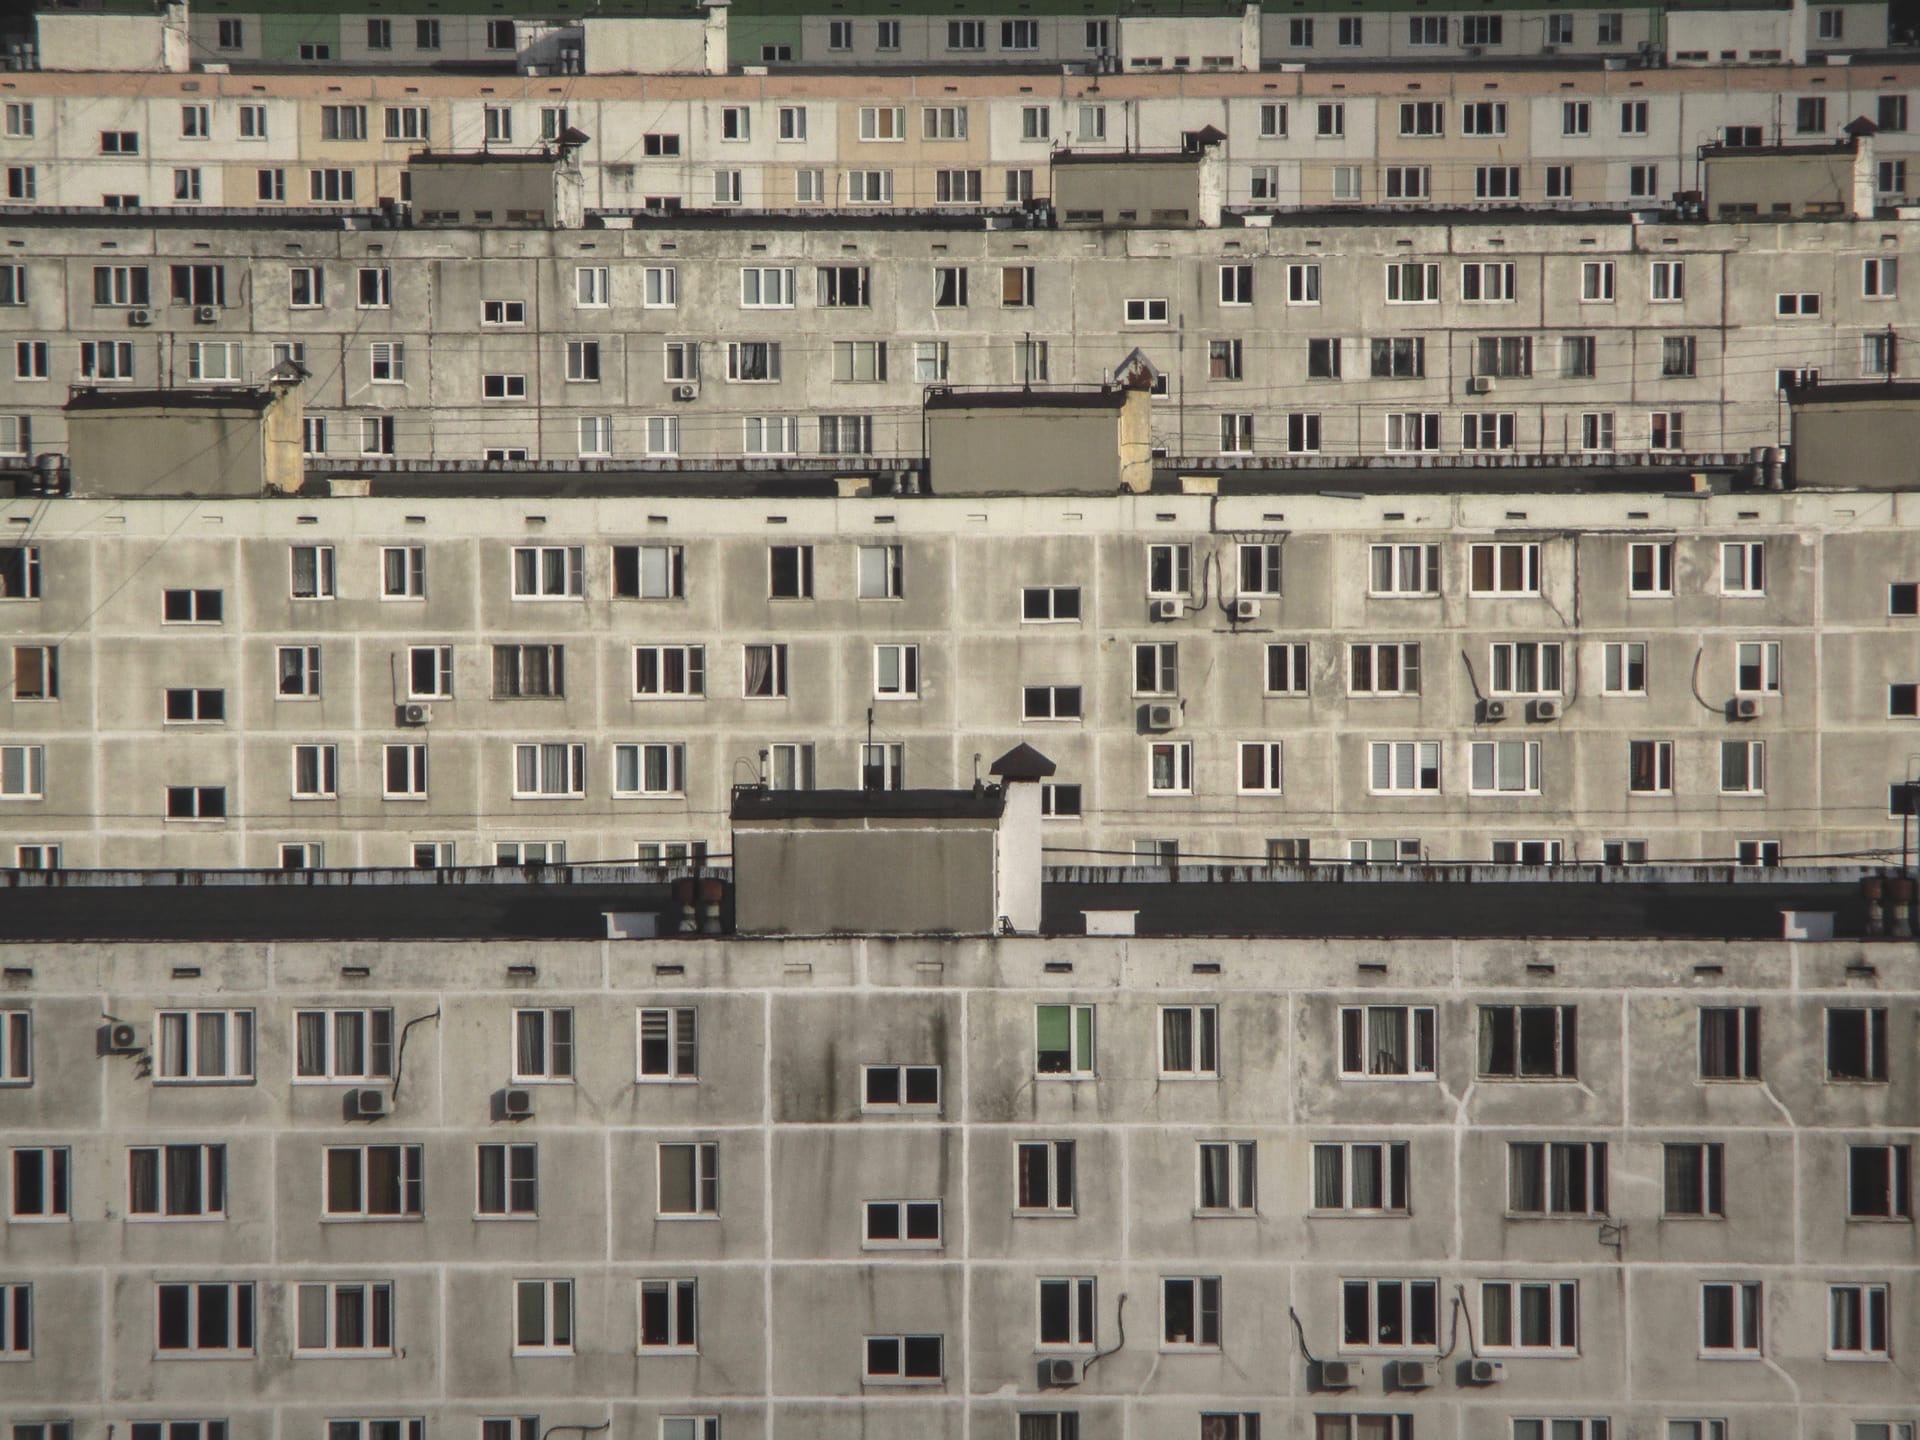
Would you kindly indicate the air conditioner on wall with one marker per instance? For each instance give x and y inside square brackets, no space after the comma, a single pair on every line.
[1162,717]
[1481,385]
[1167,609]
[1413,1375]
[1546,709]
[369,1104]
[1495,709]
[1057,1372]
[1246,609]
[1338,1374]
[516,1104]
[686,392]
[139,317]
[1486,1372]
[1748,707]
[416,713]
[205,314]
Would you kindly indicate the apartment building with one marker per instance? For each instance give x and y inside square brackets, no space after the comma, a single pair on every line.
[1502,337]
[1600,1160]
[1217,35]
[509,666]
[1502,136]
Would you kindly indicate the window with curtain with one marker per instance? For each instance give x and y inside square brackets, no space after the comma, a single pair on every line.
[1063,1039]
[1189,1040]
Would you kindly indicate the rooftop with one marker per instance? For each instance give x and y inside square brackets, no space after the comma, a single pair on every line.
[753,804]
[1306,902]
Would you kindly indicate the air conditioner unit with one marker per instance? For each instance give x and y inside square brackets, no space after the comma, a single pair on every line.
[1245,609]
[139,317]
[1748,707]
[1495,709]
[205,314]
[1167,609]
[1413,1375]
[414,712]
[686,392]
[122,1039]
[517,1104]
[1546,709]
[368,1104]
[1481,385]
[1162,717]
[1057,1373]
[1338,1374]
[1487,1372]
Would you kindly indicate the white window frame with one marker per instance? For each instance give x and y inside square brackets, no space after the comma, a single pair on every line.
[1418,1031]
[179,1038]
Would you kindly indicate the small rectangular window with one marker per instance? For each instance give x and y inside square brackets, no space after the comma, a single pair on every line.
[1063,1040]
[1390,1042]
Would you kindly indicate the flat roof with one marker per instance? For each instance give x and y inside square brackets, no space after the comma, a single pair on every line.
[754,805]
[1105,398]
[1673,902]
[205,397]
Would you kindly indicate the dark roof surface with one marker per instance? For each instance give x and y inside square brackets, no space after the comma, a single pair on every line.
[1104,398]
[211,397]
[1468,901]
[753,805]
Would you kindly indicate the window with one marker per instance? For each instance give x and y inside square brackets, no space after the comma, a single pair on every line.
[1669,280]
[1170,767]
[1596,281]
[853,361]
[1323,359]
[1059,801]
[403,768]
[503,387]
[1803,303]
[1643,182]
[408,122]
[1486,281]
[40,1186]
[214,1319]
[653,769]
[1483,117]
[184,802]
[375,1182]
[1757,667]
[896,672]
[549,771]
[690,1179]
[1403,570]
[1228,1175]
[1190,1313]
[205,1046]
[1387,1042]
[1557,1177]
[106,359]
[542,1045]
[121,285]
[184,707]
[669,1044]
[1389,1314]
[870,187]
[1650,568]
[349,1318]
[905,1359]
[529,671]
[1413,283]
[669,670]
[1487,431]
[176,1182]
[508,1181]
[1402,357]
[1525,667]
[543,1317]
[1360,1178]
[1189,1040]
[349,1045]
[1045,1176]
[1810,115]
[1529,1041]
[1695,1180]
[583,361]
[307,287]
[1156,668]
[900,1087]
[1067,1313]
[376,288]
[549,572]
[1496,182]
[36,672]
[1261,767]
[883,122]
[1016,286]
[376,435]
[1384,669]
[1051,702]
[1403,767]
[1744,567]
[1743,767]
[1505,569]
[1530,1315]
[330,186]
[253,122]
[1857,1044]
[1730,1315]
[1146,312]
[1857,1327]
[1879,1182]
[1730,1042]
[1063,1040]
[1042,604]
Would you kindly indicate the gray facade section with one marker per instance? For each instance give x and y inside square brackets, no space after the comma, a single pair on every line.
[1823,681]
[790,1282]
